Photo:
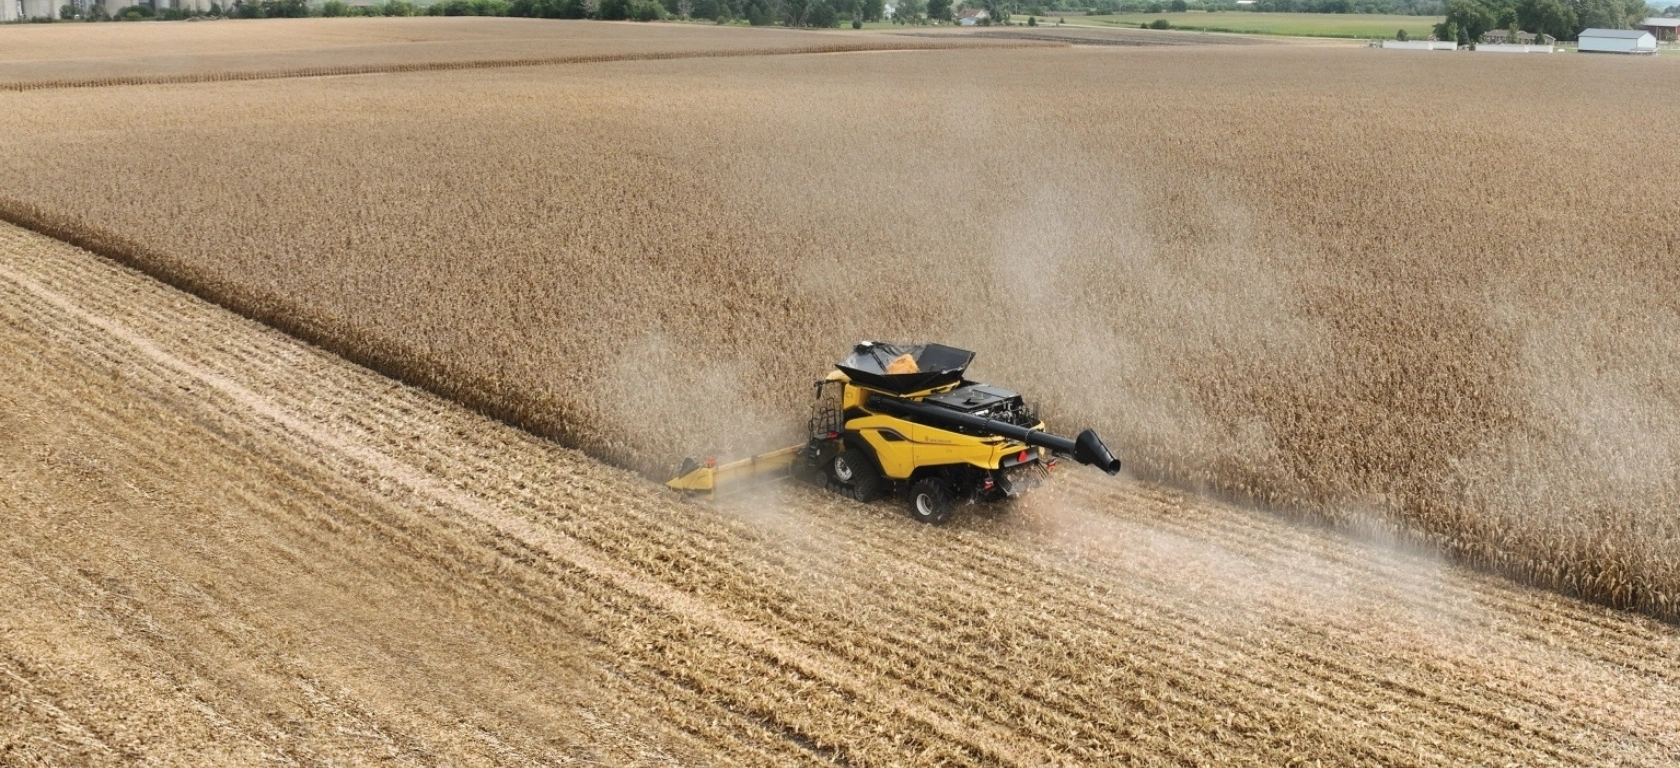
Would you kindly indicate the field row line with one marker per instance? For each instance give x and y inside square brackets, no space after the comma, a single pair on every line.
[470,64]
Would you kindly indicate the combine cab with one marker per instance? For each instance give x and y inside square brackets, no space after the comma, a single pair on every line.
[894,419]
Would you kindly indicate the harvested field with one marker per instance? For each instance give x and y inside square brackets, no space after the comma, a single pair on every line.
[224,546]
[124,54]
[1250,270]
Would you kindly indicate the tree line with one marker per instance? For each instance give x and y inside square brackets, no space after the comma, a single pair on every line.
[792,13]
[795,13]
[1468,20]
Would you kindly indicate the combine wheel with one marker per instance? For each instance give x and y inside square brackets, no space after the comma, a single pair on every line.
[855,474]
[931,501]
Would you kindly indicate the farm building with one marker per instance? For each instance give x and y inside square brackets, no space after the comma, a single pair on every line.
[1618,41]
[1512,48]
[969,17]
[15,10]
[1502,41]
[1420,45]
[1504,37]
[1663,29]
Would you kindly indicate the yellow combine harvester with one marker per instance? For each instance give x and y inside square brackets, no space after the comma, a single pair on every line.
[900,418]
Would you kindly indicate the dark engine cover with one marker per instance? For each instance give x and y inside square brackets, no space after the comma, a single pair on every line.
[974,398]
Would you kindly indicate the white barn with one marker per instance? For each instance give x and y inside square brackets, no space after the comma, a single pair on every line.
[1617,41]
[1420,45]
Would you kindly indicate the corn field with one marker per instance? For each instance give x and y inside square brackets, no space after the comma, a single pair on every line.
[1432,299]
[225,547]
[100,55]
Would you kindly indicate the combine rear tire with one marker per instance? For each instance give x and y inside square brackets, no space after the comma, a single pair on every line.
[931,501]
[855,475]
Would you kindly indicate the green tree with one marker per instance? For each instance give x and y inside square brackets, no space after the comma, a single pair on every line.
[334,8]
[1607,14]
[285,9]
[910,12]
[1178,6]
[759,13]
[939,10]
[1547,17]
[821,15]
[1402,36]
[1469,17]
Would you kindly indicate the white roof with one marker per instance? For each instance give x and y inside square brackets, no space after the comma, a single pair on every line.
[1660,22]
[1622,34]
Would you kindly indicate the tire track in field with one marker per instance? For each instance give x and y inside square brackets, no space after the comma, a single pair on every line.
[342,70]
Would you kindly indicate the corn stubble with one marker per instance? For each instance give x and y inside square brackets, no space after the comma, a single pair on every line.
[1296,276]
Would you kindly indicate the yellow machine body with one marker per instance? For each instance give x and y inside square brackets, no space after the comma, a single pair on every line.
[902,446]
[709,478]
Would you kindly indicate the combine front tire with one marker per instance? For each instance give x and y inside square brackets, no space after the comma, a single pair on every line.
[931,501]
[855,475]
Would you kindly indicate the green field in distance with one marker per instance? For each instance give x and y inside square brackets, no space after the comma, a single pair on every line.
[1294,24]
